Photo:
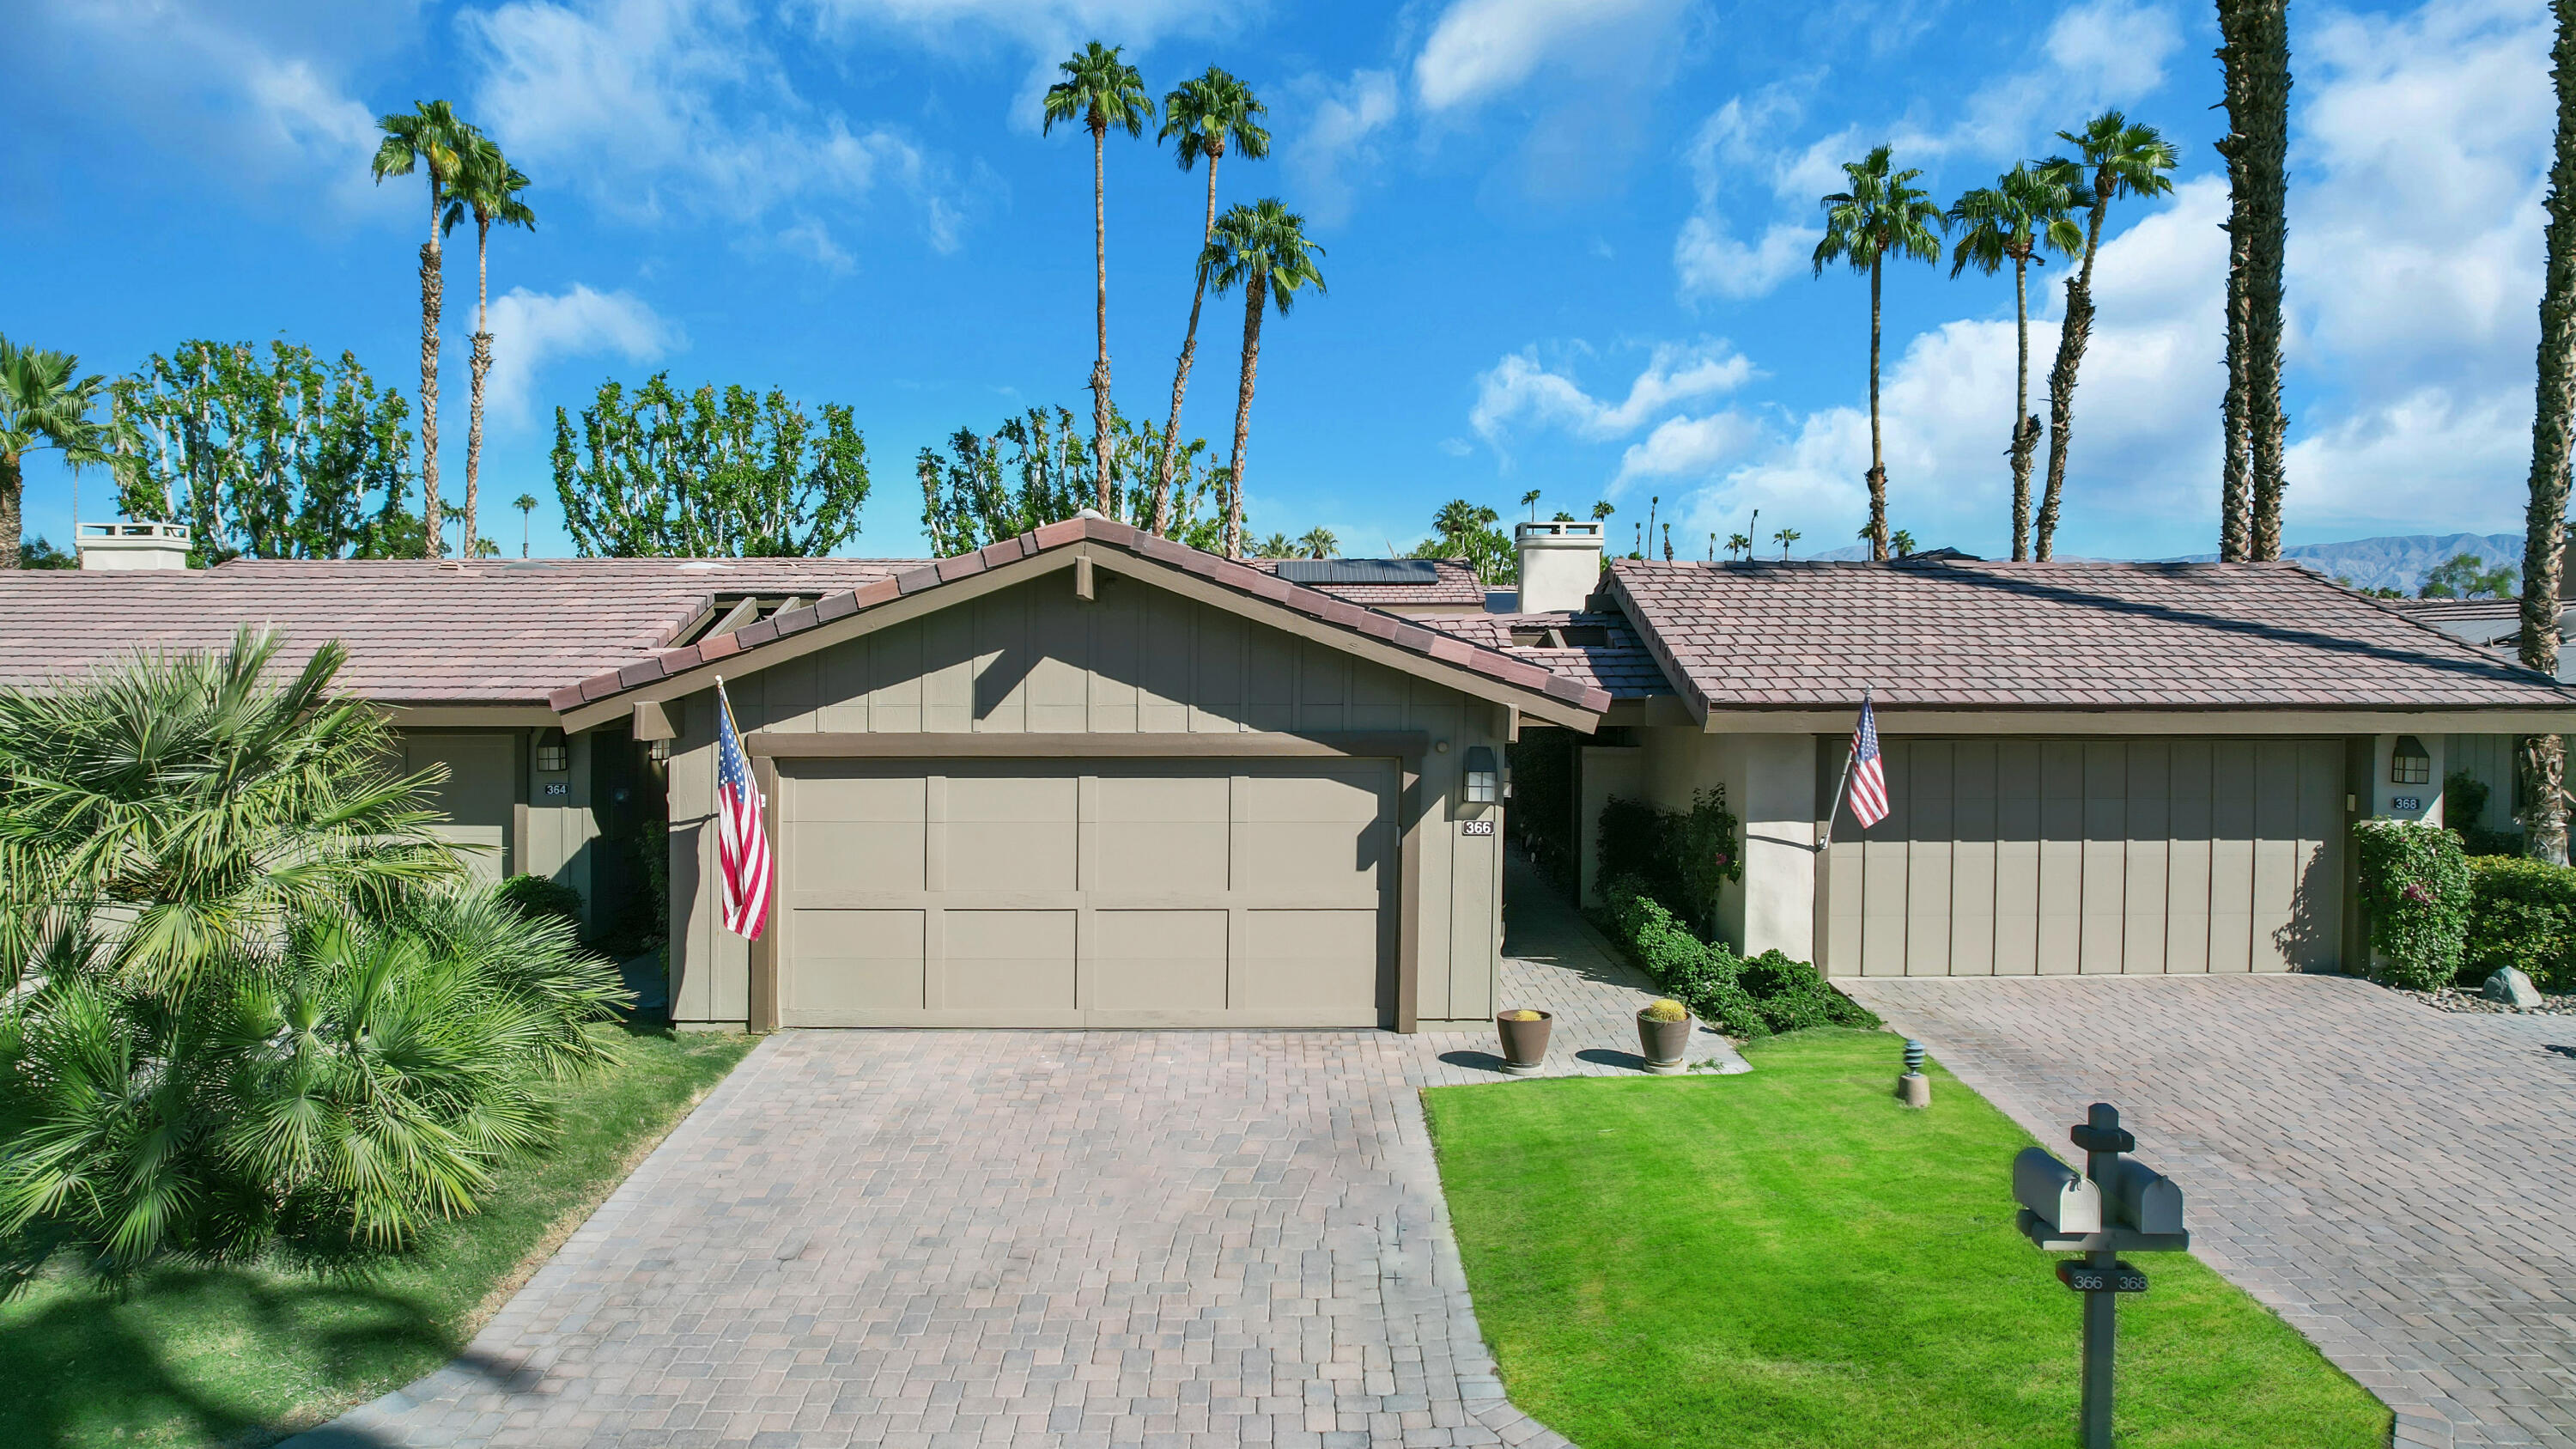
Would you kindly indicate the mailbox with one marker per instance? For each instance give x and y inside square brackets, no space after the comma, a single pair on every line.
[2144,1198]
[2063,1198]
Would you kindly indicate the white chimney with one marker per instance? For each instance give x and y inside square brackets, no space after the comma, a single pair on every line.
[1560,563]
[123,545]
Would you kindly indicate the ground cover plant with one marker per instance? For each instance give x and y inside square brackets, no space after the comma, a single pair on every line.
[1744,999]
[1790,1258]
[241,1354]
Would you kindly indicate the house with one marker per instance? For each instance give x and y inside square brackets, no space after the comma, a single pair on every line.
[2496,626]
[1089,777]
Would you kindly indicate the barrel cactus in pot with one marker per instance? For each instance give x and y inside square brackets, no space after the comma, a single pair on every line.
[1663,1035]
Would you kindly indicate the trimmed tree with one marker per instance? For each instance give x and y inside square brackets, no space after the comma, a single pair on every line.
[1101,91]
[1207,115]
[2541,760]
[1883,215]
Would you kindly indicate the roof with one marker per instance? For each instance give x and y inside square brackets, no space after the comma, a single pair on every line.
[1407,635]
[419,631]
[1620,664]
[1962,634]
[1453,584]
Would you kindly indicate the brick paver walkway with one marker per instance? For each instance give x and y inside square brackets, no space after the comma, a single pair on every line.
[950,1238]
[2396,1182]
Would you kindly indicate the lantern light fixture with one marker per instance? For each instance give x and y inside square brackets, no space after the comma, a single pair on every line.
[553,754]
[1484,781]
[2409,764]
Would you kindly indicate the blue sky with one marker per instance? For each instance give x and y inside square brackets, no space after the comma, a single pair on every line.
[1566,241]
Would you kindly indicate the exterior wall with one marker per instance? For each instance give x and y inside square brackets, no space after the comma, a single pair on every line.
[1138,660]
[1601,772]
[497,801]
[2489,759]
[1769,781]
[2385,795]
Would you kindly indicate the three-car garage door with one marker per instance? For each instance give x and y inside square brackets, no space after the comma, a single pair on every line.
[1086,892]
[2100,856]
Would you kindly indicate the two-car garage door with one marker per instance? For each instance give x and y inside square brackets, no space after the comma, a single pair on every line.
[1220,892]
[2099,856]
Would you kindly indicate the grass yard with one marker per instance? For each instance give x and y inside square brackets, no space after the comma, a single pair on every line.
[243,1356]
[1791,1258]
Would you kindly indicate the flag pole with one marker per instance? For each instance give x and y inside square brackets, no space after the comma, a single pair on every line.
[1840,786]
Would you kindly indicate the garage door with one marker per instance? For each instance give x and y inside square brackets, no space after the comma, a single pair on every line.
[2022,857]
[1086,893]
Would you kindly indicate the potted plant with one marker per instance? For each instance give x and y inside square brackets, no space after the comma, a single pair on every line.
[1663,1035]
[1524,1039]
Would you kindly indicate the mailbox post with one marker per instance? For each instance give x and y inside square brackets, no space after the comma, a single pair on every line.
[2118,1204]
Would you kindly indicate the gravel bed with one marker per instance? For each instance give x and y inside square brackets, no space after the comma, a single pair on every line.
[2454,998]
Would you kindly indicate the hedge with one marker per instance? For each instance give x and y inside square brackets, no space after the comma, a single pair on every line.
[2521,913]
[1744,999]
[2415,882]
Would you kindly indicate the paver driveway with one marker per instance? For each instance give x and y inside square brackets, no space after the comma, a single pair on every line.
[943,1238]
[2398,1183]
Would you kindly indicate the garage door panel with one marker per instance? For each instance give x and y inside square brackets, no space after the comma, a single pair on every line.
[2100,855]
[1158,960]
[1001,960]
[1160,834]
[853,961]
[1313,832]
[1009,832]
[1325,962]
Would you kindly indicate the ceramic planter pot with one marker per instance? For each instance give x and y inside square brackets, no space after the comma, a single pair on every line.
[1664,1043]
[1524,1043]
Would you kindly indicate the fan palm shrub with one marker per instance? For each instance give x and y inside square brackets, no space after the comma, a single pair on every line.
[252,1001]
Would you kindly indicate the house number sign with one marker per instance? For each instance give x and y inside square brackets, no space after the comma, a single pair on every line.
[2405,802]
[1475,827]
[558,787]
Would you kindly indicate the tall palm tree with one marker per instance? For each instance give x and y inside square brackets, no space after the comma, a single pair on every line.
[2114,159]
[1263,249]
[2254,53]
[43,404]
[1529,501]
[1883,215]
[2541,760]
[1739,543]
[486,187]
[2024,211]
[1206,115]
[1101,91]
[433,141]
[1788,536]
[526,503]
[1319,543]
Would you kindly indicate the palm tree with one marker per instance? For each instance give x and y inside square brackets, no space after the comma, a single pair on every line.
[2541,760]
[1883,215]
[2254,55]
[2012,220]
[1903,542]
[431,140]
[526,503]
[1529,501]
[42,405]
[1101,91]
[1739,543]
[1263,249]
[2116,159]
[1207,115]
[1602,509]
[1319,543]
[487,186]
[1786,537]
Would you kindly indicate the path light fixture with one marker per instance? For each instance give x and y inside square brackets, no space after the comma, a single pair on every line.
[2117,1205]
[1914,1089]
[1484,781]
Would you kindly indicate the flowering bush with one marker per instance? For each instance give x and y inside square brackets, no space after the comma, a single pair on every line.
[2415,883]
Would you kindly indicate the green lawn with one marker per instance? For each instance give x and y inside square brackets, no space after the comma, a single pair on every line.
[1791,1258]
[243,1356]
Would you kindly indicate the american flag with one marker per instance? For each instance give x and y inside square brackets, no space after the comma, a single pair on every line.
[1868,789]
[742,842]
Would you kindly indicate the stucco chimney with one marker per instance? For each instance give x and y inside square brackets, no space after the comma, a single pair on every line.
[1560,562]
[123,545]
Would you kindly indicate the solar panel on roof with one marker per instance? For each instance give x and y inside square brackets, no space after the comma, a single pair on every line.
[1359,571]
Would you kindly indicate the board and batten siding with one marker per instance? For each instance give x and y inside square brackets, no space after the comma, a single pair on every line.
[2005,856]
[1136,660]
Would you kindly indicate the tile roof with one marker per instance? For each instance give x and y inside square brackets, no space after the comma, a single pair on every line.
[418,631]
[1457,586]
[1623,665]
[1405,634]
[2051,636]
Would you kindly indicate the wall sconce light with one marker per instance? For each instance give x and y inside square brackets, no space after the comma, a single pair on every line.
[553,755]
[1484,781]
[2408,764]
[659,751]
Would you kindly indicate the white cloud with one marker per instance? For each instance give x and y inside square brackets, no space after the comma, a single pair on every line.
[1687,446]
[1043,31]
[2105,53]
[1481,48]
[1741,148]
[2116,45]
[532,329]
[1521,389]
[676,105]
[1341,133]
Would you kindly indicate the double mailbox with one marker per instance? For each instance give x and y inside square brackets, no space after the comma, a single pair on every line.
[2065,1211]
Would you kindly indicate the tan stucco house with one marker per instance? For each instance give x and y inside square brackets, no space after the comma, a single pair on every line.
[1088,777]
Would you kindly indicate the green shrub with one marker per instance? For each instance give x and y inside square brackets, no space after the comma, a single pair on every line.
[1681,857]
[1699,975]
[2464,804]
[537,895]
[2415,883]
[1794,994]
[2522,913]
